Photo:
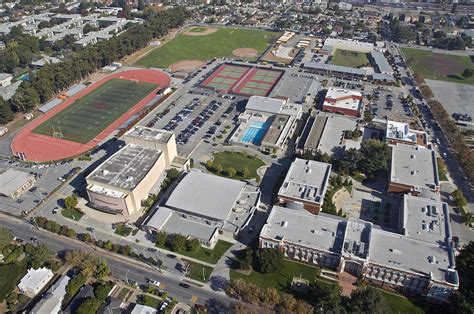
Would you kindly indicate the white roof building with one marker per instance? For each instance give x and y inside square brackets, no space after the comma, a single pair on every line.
[34,281]
[14,182]
[52,300]
[345,101]
[306,183]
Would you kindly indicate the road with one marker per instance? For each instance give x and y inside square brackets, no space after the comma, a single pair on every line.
[122,267]
[456,173]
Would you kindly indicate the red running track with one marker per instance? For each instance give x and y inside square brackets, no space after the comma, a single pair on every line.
[41,148]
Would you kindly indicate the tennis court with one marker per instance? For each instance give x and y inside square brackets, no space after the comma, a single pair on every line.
[258,82]
[225,77]
[242,80]
[89,115]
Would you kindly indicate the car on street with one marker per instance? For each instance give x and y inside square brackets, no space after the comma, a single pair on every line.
[55,210]
[184,285]
[154,282]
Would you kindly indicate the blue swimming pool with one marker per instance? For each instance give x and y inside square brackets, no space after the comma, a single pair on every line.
[255,132]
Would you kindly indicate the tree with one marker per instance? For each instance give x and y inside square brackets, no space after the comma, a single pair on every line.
[459,198]
[366,298]
[246,259]
[219,168]
[140,5]
[70,202]
[177,242]
[71,233]
[102,289]
[467,73]
[89,264]
[193,245]
[161,238]
[89,305]
[327,297]
[108,245]
[210,165]
[269,260]
[231,172]
[38,255]
[375,156]
[6,114]
[246,172]
[465,268]
[367,116]
[6,236]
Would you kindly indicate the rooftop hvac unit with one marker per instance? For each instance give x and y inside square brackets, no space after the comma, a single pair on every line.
[284,223]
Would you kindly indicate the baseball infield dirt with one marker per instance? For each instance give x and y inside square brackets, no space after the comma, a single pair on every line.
[186,66]
[245,52]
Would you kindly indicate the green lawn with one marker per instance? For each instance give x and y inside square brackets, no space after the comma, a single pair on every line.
[282,279]
[349,58]
[399,304]
[123,230]
[238,161]
[218,44]
[437,66]
[73,214]
[123,294]
[88,116]
[148,301]
[207,255]
[196,271]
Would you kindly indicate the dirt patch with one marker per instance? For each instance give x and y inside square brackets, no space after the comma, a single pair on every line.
[200,31]
[245,52]
[186,66]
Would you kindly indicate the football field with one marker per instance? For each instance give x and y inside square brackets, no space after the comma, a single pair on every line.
[89,115]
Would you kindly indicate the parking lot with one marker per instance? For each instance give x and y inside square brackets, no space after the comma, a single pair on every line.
[194,117]
[48,177]
[389,104]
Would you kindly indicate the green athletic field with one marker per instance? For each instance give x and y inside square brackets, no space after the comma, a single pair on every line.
[349,58]
[218,44]
[437,66]
[88,116]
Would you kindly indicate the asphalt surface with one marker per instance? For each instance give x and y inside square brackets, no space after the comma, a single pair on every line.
[121,267]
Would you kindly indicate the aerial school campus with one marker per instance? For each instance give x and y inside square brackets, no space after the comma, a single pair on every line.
[238,144]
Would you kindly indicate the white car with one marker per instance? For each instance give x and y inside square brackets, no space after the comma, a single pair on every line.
[154,282]
[451,198]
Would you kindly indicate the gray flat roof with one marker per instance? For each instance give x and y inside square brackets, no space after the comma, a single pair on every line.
[335,68]
[425,219]
[381,61]
[357,238]
[188,227]
[126,168]
[303,228]
[11,180]
[150,134]
[206,195]
[383,77]
[306,180]
[265,104]
[400,252]
[415,166]
[277,126]
[327,133]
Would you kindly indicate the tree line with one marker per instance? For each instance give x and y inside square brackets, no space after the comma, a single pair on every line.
[54,78]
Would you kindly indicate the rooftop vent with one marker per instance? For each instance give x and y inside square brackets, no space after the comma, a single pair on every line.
[105,172]
[284,224]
